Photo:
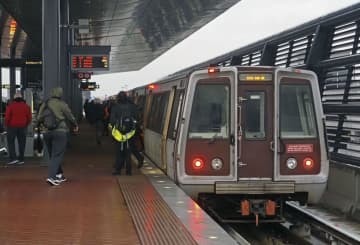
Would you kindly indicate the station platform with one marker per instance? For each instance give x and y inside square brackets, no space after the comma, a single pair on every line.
[94,207]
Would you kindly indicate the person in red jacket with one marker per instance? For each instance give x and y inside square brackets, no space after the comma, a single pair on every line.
[17,118]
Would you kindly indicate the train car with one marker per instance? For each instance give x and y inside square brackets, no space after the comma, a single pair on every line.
[241,140]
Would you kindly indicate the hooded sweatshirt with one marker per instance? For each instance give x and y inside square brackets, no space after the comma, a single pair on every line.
[60,109]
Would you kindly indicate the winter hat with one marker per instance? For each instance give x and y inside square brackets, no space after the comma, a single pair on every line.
[17,95]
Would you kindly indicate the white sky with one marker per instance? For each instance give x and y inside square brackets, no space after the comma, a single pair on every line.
[244,23]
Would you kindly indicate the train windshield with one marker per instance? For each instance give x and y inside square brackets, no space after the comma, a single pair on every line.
[255,115]
[210,111]
[297,117]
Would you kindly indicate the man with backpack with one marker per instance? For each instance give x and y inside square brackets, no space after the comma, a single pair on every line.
[56,134]
[17,118]
[123,117]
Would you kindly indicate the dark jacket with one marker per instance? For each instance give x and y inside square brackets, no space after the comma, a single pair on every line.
[122,110]
[60,109]
[17,114]
[96,112]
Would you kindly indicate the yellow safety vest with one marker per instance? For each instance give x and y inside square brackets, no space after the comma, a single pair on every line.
[118,136]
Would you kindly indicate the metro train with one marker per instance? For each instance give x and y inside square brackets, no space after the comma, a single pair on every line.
[240,140]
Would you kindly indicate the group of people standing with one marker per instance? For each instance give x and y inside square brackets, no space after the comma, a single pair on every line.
[18,117]
[97,114]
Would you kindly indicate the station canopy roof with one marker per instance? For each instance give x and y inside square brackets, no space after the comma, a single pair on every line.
[137,31]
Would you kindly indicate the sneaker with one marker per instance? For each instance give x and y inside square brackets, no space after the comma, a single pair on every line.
[60,178]
[12,162]
[52,181]
[20,162]
[141,162]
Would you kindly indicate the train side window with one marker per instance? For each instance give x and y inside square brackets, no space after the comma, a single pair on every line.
[156,116]
[175,114]
[210,112]
[140,103]
[254,115]
[297,116]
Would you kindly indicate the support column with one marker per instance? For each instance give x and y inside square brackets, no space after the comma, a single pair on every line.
[12,77]
[78,101]
[50,45]
[65,73]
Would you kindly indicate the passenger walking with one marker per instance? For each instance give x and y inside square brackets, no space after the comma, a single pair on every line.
[86,104]
[17,118]
[123,114]
[107,110]
[56,138]
[98,117]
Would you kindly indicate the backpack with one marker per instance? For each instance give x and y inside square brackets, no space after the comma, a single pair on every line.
[126,124]
[48,118]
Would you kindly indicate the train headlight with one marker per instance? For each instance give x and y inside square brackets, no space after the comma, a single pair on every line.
[216,163]
[291,163]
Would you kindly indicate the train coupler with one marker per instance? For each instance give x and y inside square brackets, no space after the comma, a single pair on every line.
[259,208]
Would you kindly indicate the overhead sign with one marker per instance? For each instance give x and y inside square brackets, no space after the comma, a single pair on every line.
[82,75]
[89,58]
[89,62]
[89,86]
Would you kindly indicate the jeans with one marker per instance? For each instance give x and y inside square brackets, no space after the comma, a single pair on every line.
[20,134]
[55,142]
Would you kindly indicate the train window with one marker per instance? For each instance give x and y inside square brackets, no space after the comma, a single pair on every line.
[297,116]
[140,102]
[175,114]
[254,115]
[158,108]
[210,111]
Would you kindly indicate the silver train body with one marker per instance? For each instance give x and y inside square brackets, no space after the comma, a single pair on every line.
[251,134]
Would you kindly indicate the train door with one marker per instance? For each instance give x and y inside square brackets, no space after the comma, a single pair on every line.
[207,136]
[165,129]
[255,110]
[148,101]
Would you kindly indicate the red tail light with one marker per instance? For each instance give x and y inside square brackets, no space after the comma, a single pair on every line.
[213,69]
[197,163]
[308,163]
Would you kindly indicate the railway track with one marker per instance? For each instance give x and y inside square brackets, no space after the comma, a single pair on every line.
[332,229]
[300,227]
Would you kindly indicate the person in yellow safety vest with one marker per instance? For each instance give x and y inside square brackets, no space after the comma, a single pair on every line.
[121,137]
[122,122]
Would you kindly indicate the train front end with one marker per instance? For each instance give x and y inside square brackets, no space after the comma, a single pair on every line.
[250,139]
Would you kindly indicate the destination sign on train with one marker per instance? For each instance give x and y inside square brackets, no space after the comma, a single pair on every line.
[255,77]
[89,62]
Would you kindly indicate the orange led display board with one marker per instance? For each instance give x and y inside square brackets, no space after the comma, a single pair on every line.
[89,62]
